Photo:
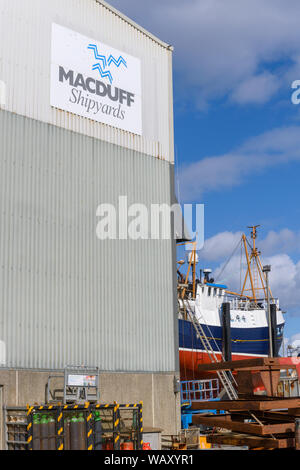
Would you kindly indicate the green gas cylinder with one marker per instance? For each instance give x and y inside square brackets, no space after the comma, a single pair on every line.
[44,432]
[51,433]
[67,441]
[74,432]
[98,431]
[78,432]
[36,432]
[82,432]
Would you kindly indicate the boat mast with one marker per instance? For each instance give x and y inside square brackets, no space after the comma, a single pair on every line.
[254,269]
[192,263]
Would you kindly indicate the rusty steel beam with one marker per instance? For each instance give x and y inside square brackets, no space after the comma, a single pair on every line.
[248,428]
[253,442]
[252,405]
[269,416]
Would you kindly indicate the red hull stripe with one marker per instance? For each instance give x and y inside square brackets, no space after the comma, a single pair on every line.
[190,359]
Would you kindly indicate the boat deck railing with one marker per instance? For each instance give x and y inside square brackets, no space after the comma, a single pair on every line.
[246,304]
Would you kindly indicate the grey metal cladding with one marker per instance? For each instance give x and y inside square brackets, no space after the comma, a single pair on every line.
[65,296]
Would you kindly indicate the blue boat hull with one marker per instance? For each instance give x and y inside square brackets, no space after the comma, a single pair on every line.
[245,343]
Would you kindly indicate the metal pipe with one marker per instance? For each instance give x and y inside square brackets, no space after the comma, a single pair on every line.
[226,332]
[273,316]
[266,270]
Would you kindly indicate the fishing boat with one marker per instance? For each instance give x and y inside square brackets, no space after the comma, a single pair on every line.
[200,301]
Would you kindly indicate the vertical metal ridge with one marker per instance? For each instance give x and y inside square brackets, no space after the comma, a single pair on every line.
[67,297]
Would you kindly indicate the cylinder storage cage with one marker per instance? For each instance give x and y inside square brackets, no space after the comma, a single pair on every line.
[85,427]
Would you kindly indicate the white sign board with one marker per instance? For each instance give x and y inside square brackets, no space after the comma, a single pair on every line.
[94,80]
[82,381]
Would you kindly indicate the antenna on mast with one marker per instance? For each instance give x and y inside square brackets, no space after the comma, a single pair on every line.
[253,233]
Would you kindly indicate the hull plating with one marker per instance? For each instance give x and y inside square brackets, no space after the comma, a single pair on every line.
[245,343]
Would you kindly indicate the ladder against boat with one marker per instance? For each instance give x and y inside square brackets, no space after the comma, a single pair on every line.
[225,377]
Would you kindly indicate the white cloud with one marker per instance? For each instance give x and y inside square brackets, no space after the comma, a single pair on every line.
[220,246]
[272,148]
[295,340]
[285,279]
[283,349]
[258,89]
[226,48]
[283,241]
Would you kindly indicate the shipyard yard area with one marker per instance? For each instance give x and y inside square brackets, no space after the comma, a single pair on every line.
[149,228]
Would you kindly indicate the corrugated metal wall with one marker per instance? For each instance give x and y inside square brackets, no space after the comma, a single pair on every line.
[25,59]
[65,296]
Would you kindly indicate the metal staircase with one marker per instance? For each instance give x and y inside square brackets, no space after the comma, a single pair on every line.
[225,377]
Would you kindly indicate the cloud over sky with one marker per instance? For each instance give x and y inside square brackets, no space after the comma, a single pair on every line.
[295,340]
[239,52]
[272,148]
[244,55]
[243,50]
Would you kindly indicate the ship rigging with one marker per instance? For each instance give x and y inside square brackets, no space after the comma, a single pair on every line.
[201,298]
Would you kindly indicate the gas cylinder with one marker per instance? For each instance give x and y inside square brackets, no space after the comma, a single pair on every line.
[74,435]
[51,433]
[67,441]
[127,445]
[98,431]
[146,446]
[109,445]
[77,432]
[44,432]
[82,432]
[36,432]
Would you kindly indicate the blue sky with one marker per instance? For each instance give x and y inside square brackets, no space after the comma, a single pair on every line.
[237,133]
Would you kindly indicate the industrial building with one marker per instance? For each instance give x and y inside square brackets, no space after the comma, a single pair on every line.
[86,116]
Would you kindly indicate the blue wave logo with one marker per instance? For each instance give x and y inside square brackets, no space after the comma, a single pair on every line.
[103,65]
